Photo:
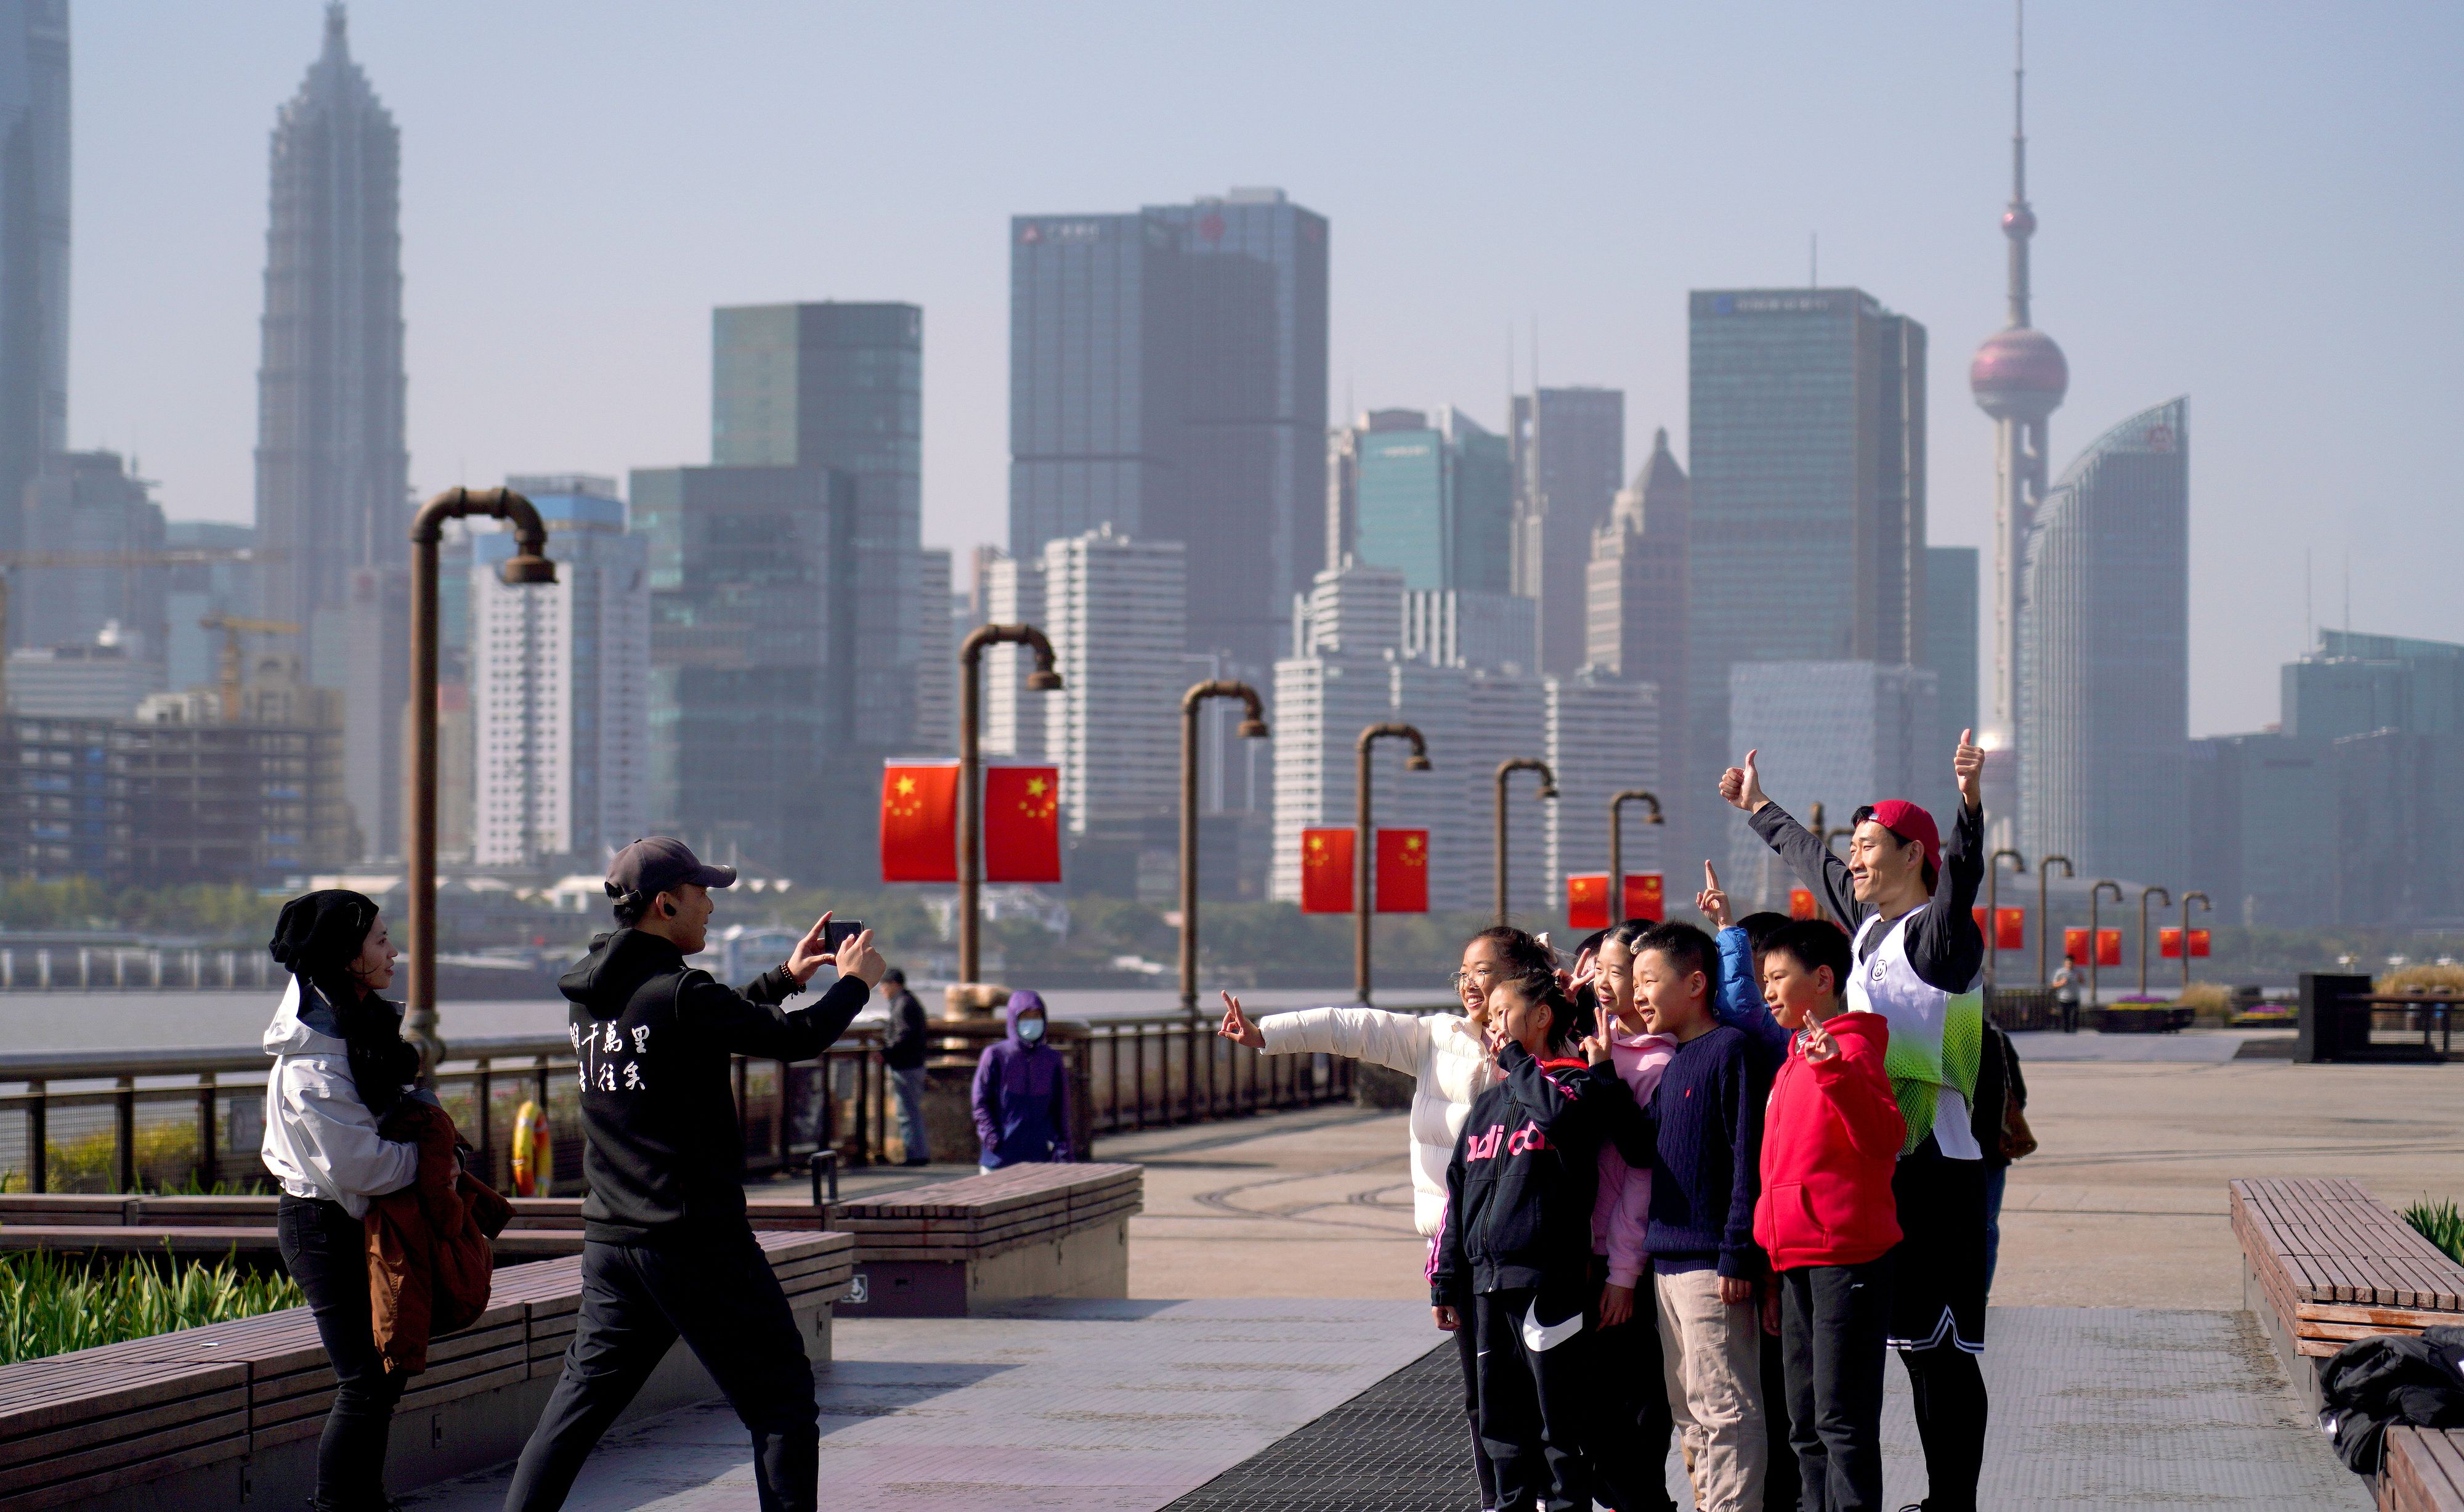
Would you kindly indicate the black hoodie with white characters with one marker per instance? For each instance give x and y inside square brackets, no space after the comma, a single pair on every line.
[653,1036]
[1520,1189]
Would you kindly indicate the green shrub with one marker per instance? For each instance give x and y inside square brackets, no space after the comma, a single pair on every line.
[2440,1223]
[50,1304]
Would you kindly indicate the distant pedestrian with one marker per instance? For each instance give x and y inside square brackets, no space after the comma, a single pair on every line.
[1022,1092]
[904,1057]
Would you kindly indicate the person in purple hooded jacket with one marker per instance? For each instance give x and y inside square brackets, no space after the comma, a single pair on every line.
[1022,1092]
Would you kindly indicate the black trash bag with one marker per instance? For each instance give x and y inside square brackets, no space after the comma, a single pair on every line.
[2385,1379]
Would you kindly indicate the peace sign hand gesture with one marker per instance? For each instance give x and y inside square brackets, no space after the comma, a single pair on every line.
[1819,1046]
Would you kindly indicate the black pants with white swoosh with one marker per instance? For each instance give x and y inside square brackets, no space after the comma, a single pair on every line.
[1534,1404]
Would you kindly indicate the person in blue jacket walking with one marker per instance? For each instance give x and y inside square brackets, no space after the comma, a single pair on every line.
[1022,1092]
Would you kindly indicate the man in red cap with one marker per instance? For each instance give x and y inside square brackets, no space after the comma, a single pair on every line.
[1917,959]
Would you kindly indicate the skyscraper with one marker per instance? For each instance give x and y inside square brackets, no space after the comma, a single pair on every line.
[1838,733]
[2018,377]
[560,685]
[1951,653]
[1168,376]
[333,480]
[1808,421]
[2105,654]
[1636,609]
[33,246]
[1435,501]
[89,502]
[842,385]
[1569,448]
[1113,608]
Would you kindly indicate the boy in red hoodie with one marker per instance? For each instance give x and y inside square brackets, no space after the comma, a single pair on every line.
[1826,1217]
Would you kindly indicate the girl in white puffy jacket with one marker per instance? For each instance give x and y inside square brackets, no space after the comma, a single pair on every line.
[1450,1061]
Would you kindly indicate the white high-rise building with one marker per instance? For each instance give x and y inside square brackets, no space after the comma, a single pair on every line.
[1604,739]
[1116,613]
[936,649]
[560,680]
[1839,733]
[1013,718]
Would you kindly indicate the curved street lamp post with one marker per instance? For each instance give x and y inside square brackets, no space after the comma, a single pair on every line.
[1364,842]
[529,564]
[1616,845]
[1253,726]
[1993,910]
[971,798]
[1547,789]
[2045,865]
[2147,945]
[2205,906]
[2096,935]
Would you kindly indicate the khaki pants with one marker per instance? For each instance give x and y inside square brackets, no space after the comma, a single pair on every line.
[1712,1355]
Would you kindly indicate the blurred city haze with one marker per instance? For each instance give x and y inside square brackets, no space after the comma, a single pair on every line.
[2254,203]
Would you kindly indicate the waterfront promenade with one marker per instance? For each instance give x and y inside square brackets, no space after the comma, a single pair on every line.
[1275,1351]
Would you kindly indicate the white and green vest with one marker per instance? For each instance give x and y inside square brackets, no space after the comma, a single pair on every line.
[1937,1039]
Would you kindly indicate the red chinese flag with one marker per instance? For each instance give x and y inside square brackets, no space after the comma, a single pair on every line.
[1023,824]
[1326,871]
[2108,948]
[2169,944]
[2010,929]
[1403,881]
[2200,941]
[2074,947]
[1644,896]
[920,822]
[1587,901]
[1801,904]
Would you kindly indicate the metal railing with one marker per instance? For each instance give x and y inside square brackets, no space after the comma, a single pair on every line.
[180,1120]
[134,969]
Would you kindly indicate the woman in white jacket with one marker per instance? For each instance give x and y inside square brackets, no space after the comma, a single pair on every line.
[1450,1061]
[340,1065]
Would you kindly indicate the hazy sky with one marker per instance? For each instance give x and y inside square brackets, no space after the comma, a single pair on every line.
[2254,203]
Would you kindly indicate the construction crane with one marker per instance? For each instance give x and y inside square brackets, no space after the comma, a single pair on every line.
[173,556]
[232,628]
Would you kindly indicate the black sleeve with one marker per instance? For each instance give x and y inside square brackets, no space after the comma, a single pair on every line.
[1742,1094]
[1573,1113]
[1944,947]
[907,1016]
[1628,1128]
[1812,862]
[751,1023]
[1449,1265]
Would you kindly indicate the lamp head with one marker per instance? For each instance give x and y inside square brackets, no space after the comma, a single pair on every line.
[525,570]
[1416,762]
[1042,680]
[1253,729]
[1655,818]
[1547,789]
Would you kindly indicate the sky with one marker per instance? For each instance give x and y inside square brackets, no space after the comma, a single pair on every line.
[2255,204]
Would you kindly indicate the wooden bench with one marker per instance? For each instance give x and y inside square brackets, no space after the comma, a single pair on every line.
[2422,1471]
[962,1247]
[212,1416]
[2323,1264]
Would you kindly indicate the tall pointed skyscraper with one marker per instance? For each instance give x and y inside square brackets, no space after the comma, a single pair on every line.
[333,476]
[2018,377]
[34,246]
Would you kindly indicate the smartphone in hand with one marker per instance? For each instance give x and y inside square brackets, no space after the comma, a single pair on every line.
[839,932]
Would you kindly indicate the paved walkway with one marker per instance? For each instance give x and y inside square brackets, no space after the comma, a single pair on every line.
[1349,1407]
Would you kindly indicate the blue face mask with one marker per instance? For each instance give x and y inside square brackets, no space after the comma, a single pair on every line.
[1030,1029]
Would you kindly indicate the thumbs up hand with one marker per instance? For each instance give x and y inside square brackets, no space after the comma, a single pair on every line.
[1967,765]
[1743,785]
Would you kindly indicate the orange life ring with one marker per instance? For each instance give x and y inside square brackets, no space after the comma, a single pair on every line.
[534,1153]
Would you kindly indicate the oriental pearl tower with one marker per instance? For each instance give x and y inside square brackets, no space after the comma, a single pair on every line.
[2018,377]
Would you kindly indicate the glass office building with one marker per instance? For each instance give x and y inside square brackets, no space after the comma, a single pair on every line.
[1951,632]
[1436,502]
[1168,377]
[1569,447]
[1807,438]
[2104,654]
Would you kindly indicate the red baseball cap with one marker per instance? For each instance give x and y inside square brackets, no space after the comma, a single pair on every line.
[1908,822]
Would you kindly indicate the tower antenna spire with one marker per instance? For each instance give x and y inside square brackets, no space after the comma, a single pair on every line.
[2019,221]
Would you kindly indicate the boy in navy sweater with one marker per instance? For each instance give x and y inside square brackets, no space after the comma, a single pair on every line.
[1706,1120]
[1512,1260]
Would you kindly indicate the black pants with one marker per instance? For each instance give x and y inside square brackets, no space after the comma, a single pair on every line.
[717,1292]
[1782,1490]
[1533,1407]
[1831,1319]
[1467,1355]
[1938,1315]
[327,1252]
[1627,1443]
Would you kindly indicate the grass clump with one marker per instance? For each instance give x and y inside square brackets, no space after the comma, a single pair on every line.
[2423,978]
[51,1304]
[2440,1223]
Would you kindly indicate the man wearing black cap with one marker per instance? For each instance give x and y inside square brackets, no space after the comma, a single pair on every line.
[665,1248]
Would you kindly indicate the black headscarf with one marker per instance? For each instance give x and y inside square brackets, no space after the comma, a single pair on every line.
[316,939]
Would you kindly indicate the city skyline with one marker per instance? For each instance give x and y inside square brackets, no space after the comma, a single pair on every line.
[542,371]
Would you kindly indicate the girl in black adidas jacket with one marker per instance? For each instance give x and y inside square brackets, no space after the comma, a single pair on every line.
[1513,1260]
